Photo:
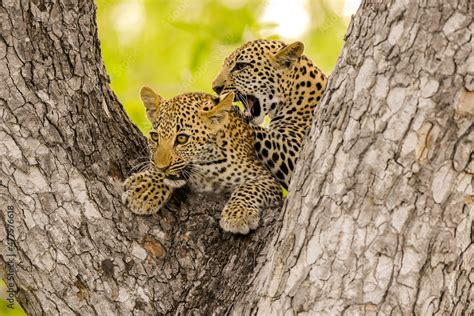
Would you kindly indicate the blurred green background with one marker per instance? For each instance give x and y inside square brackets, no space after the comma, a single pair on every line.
[179,46]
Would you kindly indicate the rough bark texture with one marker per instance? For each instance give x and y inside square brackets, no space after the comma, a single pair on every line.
[379,218]
[66,145]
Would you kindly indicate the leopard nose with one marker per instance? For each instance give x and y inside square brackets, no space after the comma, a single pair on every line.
[163,168]
[218,89]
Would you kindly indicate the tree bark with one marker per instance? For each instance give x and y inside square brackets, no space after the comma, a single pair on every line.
[379,215]
[66,146]
[379,218]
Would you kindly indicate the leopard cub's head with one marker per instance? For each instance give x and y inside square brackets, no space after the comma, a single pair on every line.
[183,132]
[258,73]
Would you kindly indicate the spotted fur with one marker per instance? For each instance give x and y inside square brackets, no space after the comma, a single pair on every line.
[202,142]
[274,79]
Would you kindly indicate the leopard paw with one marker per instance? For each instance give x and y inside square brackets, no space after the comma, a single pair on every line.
[145,193]
[239,220]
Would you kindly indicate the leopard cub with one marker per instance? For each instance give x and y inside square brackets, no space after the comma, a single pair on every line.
[201,141]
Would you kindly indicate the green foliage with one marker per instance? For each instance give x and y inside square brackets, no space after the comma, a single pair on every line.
[179,46]
[4,309]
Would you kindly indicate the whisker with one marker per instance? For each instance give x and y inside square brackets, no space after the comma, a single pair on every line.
[141,166]
[176,168]
[197,171]
[187,174]
[152,165]
[141,158]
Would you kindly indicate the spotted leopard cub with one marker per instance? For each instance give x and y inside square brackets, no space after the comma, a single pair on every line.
[275,79]
[199,141]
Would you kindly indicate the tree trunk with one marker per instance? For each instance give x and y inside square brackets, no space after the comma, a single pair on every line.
[379,215]
[66,146]
[379,218]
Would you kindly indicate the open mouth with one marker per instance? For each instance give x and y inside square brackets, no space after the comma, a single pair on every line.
[175,180]
[175,177]
[251,104]
[178,179]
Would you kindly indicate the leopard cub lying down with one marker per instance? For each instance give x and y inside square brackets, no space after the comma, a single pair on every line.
[202,142]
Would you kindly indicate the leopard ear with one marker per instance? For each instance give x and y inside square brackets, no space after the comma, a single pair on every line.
[218,115]
[151,100]
[288,55]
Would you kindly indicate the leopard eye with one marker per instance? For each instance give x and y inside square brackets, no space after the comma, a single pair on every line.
[154,136]
[240,66]
[182,139]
